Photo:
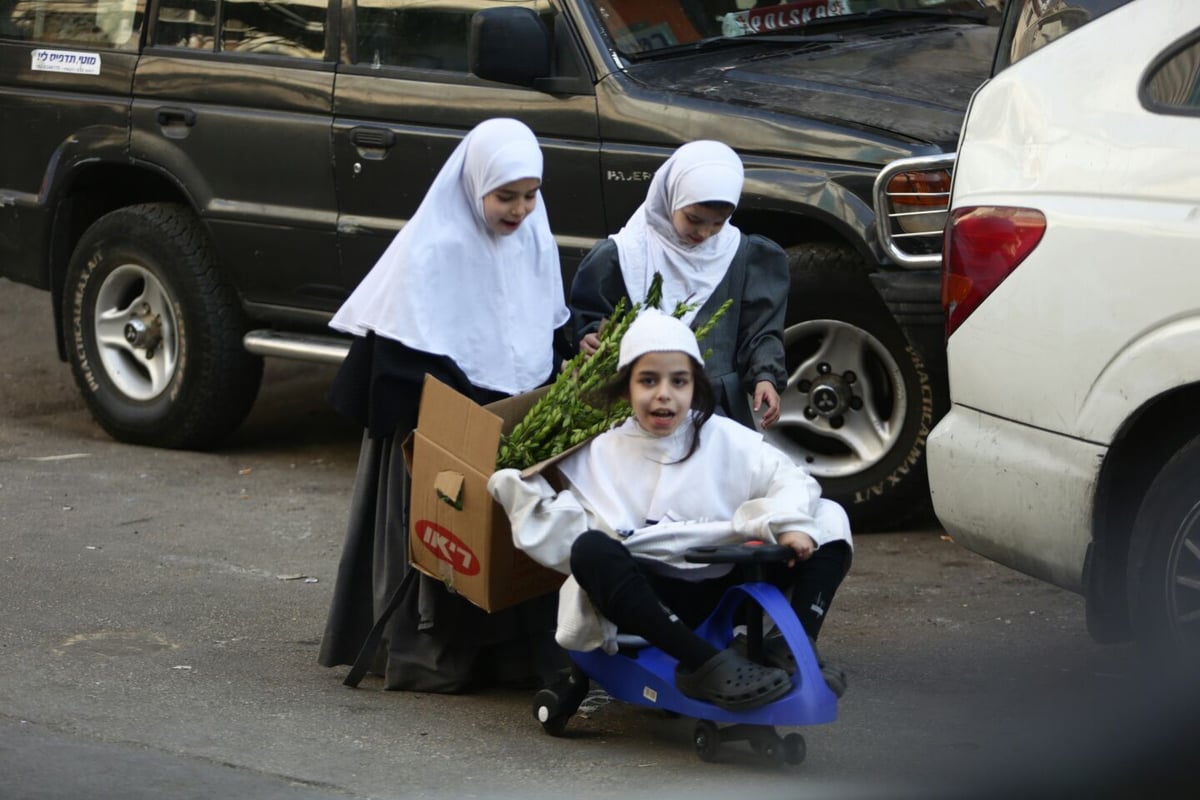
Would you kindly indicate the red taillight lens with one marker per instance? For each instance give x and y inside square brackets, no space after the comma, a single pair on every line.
[983,245]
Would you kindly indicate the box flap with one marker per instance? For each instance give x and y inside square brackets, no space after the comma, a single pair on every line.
[460,425]
[448,485]
[513,409]
[406,448]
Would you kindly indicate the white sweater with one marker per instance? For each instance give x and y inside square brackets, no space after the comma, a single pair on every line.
[631,485]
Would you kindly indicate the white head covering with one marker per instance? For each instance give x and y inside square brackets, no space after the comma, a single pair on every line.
[697,172]
[656,332]
[448,285]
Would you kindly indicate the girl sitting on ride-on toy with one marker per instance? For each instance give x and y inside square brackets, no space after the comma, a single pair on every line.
[671,477]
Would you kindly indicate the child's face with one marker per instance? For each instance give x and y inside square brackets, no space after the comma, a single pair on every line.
[505,208]
[696,223]
[660,391]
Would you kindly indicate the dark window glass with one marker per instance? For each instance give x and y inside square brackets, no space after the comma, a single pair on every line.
[186,23]
[264,27]
[1176,84]
[295,28]
[423,34]
[109,24]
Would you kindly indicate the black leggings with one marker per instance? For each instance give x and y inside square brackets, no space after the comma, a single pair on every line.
[627,593]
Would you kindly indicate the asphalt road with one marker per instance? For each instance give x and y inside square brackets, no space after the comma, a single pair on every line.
[162,613]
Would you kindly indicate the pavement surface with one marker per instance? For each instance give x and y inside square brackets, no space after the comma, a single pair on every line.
[163,611]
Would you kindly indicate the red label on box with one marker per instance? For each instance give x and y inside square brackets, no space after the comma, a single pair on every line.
[447,547]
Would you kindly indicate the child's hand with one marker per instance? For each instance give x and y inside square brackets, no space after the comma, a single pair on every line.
[766,396]
[801,543]
[589,343]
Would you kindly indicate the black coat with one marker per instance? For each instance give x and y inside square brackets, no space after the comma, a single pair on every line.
[745,347]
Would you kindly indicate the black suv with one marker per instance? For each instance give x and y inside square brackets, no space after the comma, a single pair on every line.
[199,183]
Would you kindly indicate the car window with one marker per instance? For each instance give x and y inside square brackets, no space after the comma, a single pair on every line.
[1174,85]
[96,23]
[422,34]
[295,28]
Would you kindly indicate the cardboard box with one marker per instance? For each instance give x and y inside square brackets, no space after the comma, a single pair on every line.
[457,532]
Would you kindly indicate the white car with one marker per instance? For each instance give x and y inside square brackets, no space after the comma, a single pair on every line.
[1071,281]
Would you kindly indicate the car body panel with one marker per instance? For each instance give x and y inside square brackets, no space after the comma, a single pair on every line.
[1095,162]
[870,82]
[379,188]
[58,119]
[1125,347]
[1099,323]
[270,199]
[985,472]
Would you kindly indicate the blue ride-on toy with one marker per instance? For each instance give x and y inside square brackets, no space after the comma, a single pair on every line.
[645,675]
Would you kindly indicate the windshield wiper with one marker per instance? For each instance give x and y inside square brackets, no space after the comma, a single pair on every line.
[876,14]
[717,42]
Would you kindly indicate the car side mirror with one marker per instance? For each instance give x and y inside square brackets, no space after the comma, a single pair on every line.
[509,45]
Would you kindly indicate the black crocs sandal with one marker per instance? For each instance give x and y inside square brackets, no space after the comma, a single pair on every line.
[776,653]
[733,683]
[835,677]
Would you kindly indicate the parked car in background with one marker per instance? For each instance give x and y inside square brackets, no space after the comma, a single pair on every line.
[200,183]
[1071,282]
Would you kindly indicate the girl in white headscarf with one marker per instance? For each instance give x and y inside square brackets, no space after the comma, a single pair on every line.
[682,231]
[669,478]
[470,291]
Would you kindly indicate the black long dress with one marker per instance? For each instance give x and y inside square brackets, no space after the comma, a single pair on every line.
[434,640]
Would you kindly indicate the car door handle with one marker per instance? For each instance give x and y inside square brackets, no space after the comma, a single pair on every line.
[169,116]
[372,137]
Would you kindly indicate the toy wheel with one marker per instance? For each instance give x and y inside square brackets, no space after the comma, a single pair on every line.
[707,739]
[556,726]
[794,748]
[768,745]
[548,711]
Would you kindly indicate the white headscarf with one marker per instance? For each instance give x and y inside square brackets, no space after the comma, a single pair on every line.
[657,332]
[448,285]
[697,172]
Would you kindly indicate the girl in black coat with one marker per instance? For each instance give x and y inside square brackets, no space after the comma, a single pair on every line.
[682,232]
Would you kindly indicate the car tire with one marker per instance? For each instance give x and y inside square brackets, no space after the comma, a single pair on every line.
[154,337]
[1166,579]
[859,403]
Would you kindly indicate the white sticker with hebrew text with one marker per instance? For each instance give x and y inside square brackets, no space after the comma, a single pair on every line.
[66,61]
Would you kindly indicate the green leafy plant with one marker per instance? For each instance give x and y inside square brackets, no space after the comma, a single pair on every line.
[566,415]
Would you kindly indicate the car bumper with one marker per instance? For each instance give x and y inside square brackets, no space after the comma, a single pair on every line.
[1019,495]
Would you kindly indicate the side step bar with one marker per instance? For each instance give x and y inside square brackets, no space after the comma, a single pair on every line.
[299,346]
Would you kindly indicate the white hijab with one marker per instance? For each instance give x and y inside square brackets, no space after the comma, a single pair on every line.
[448,285]
[697,172]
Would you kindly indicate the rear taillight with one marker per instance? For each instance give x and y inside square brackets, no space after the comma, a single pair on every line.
[919,200]
[982,246]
